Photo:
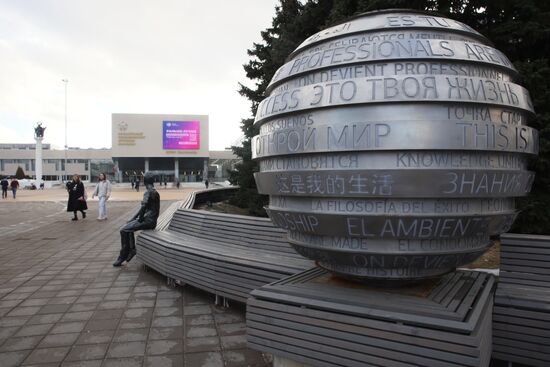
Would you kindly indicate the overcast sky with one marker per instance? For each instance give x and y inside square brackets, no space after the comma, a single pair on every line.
[124,56]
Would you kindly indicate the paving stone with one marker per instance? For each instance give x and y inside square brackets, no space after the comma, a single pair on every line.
[22,343]
[95,291]
[243,357]
[77,316]
[166,333]
[199,320]
[35,302]
[208,344]
[204,359]
[96,363]
[197,310]
[62,300]
[123,362]
[69,293]
[95,337]
[13,321]
[78,307]
[54,309]
[138,312]
[127,349]
[101,325]
[173,294]
[167,311]
[6,332]
[232,329]
[13,359]
[136,323]
[168,346]
[47,355]
[87,352]
[117,297]
[110,305]
[68,327]
[17,296]
[175,360]
[108,314]
[141,303]
[233,342]
[168,302]
[89,299]
[167,321]
[32,330]
[58,340]
[131,335]
[24,311]
[229,317]
[200,331]
[45,319]
[10,303]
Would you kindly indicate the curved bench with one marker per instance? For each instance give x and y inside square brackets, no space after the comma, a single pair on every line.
[225,254]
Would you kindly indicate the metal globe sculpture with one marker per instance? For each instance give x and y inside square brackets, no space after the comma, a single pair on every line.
[392,146]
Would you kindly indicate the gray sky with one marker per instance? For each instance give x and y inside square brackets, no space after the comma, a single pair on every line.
[124,56]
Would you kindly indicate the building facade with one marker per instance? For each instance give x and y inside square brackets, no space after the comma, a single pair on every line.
[172,146]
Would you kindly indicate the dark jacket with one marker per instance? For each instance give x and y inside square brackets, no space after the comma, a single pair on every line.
[5,184]
[76,190]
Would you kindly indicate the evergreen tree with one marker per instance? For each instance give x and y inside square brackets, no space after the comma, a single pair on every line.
[19,173]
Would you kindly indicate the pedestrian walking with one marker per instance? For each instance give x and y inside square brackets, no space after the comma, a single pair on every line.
[4,183]
[103,192]
[14,185]
[77,197]
[137,185]
[177,183]
[206,183]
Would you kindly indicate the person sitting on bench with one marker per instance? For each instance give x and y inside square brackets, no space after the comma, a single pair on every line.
[145,218]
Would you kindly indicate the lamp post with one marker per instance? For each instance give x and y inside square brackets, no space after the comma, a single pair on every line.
[66,81]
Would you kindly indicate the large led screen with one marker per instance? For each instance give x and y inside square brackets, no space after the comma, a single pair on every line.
[181,134]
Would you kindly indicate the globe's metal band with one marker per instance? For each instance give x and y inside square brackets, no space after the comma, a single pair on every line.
[397,135]
[420,88]
[395,159]
[379,36]
[391,246]
[405,67]
[396,21]
[420,183]
[392,50]
[422,264]
[393,206]
[441,265]
[392,226]
[409,112]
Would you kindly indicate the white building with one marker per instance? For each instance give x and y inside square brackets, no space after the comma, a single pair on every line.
[173,146]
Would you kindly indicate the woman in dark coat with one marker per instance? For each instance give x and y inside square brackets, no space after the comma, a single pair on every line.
[77,197]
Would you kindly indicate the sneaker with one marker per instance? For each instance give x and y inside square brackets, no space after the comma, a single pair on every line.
[99,218]
[75,218]
[118,262]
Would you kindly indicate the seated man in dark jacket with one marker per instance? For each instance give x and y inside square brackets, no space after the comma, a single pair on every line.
[145,218]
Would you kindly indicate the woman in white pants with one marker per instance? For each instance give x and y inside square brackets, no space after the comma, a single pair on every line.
[103,192]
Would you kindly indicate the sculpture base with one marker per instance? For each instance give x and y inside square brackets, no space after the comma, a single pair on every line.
[317,319]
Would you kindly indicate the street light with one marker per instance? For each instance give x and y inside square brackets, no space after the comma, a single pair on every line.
[66,81]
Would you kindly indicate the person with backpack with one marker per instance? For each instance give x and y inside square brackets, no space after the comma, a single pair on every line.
[14,185]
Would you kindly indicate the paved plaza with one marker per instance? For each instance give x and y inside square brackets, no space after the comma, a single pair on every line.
[63,304]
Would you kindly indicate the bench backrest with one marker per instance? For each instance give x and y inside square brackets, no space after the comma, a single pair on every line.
[238,230]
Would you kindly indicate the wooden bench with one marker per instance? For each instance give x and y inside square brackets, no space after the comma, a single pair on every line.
[228,255]
[521,320]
